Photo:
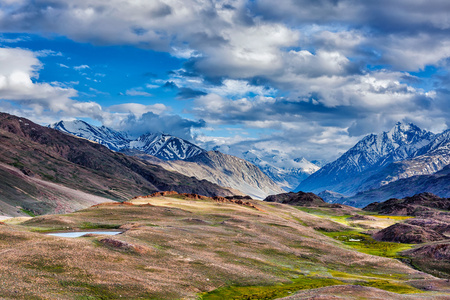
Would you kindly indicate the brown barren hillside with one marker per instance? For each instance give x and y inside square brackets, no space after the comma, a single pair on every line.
[179,247]
[31,155]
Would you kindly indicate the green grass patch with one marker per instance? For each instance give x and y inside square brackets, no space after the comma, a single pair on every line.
[390,286]
[46,229]
[326,213]
[97,290]
[28,212]
[366,244]
[270,291]
[45,265]
[89,225]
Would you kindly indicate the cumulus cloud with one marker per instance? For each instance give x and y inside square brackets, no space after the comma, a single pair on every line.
[309,72]
[22,94]
[138,109]
[150,122]
[18,72]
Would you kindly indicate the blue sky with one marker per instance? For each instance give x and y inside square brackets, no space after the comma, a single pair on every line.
[299,78]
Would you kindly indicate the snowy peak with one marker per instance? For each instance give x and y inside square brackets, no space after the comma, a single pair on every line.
[367,157]
[286,172]
[165,146]
[161,145]
[112,139]
[399,143]
[441,143]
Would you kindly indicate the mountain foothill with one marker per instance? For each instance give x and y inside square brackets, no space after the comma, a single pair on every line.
[376,221]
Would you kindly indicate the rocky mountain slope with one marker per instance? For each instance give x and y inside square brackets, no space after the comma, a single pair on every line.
[378,160]
[224,170]
[44,170]
[287,173]
[178,155]
[437,183]
[415,205]
[161,145]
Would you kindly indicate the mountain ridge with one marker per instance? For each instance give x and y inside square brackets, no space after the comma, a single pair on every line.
[43,154]
[181,156]
[161,145]
[377,160]
[224,170]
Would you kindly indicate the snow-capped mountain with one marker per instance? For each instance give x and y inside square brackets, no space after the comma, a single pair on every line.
[286,172]
[364,165]
[105,136]
[175,154]
[161,145]
[165,146]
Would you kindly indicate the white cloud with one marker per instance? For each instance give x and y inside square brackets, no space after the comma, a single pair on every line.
[413,53]
[185,52]
[18,69]
[152,86]
[45,102]
[81,67]
[136,92]
[47,52]
[138,109]
[324,57]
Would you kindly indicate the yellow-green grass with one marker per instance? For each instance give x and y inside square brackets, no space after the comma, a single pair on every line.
[390,286]
[269,292]
[327,214]
[303,283]
[366,244]
[183,248]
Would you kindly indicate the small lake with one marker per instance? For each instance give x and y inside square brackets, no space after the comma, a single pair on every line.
[75,234]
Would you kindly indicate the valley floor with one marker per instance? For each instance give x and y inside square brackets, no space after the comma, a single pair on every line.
[174,247]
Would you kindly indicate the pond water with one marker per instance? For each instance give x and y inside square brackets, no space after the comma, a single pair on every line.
[74,234]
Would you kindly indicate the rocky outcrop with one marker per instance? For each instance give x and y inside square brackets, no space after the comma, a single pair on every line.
[358,217]
[124,246]
[408,234]
[410,206]
[298,199]
[439,251]
[442,227]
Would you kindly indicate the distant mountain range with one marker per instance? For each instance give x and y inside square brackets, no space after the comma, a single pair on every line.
[46,171]
[377,163]
[161,145]
[287,173]
[176,154]
[224,170]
